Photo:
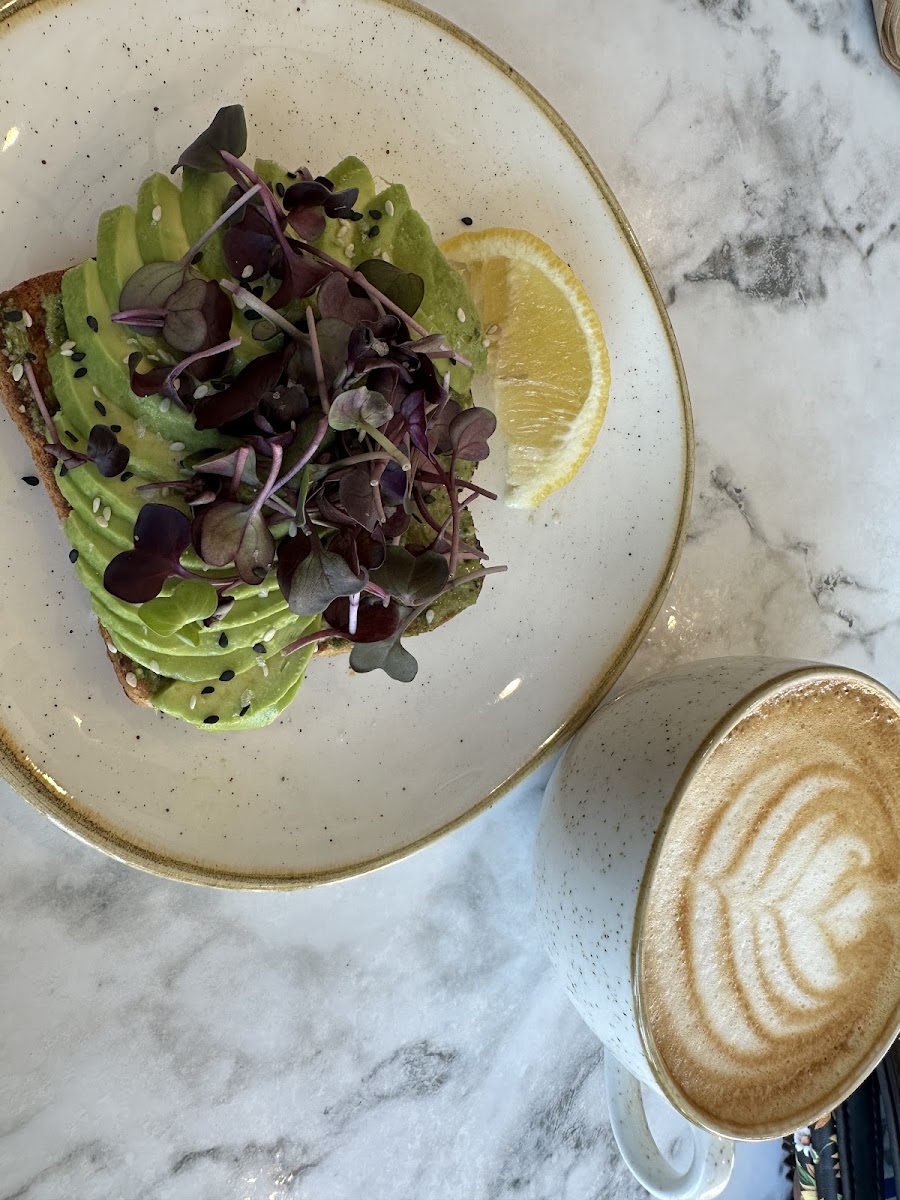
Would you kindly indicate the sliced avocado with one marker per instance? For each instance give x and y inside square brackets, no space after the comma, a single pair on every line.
[273,174]
[261,698]
[404,239]
[202,203]
[118,252]
[160,229]
[106,350]
[341,234]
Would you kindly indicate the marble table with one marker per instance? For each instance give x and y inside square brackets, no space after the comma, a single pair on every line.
[401,1036]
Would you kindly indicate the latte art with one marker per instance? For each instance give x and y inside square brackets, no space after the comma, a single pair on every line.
[770,948]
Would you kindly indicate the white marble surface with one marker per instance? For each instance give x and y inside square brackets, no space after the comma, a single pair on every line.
[401,1036]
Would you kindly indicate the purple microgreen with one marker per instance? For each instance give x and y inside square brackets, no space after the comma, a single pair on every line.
[320,194]
[374,621]
[388,655]
[367,287]
[226,132]
[428,478]
[307,223]
[233,532]
[364,411]
[469,432]
[309,453]
[149,288]
[39,400]
[146,383]
[299,277]
[198,316]
[248,300]
[317,360]
[410,580]
[404,289]
[311,576]
[225,464]
[357,497]
[142,320]
[106,452]
[200,356]
[439,426]
[336,301]
[412,409]
[254,384]
[161,535]
[226,216]
[333,337]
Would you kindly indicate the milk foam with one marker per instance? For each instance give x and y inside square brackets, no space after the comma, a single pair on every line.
[770,949]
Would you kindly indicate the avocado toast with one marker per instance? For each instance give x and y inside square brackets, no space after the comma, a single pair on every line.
[259,436]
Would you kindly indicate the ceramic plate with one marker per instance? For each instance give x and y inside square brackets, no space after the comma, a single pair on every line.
[361,770]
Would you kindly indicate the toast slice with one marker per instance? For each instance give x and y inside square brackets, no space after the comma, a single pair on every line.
[29,298]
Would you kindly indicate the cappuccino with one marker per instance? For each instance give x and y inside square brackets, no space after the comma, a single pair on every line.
[768,954]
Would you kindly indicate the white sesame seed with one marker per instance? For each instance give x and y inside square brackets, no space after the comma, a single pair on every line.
[21,408]
[460,315]
[126,359]
[265,669]
[389,207]
[485,341]
[165,491]
[350,248]
[26,320]
[111,648]
[107,512]
[96,392]
[429,616]
[154,667]
[132,341]
[387,258]
[246,697]
[491,330]
[95,506]
[17,372]
[193,702]
[67,347]
[247,271]
[102,522]
[267,637]
[200,391]
[176,446]
[157,214]
[131,678]
[165,404]
[292,529]
[263,593]
[153,357]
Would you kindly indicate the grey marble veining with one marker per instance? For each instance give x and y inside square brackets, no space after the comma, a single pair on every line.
[401,1036]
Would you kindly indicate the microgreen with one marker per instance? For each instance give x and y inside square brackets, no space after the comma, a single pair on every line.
[346,469]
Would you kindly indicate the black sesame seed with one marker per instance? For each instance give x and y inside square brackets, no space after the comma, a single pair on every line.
[210,720]
[259,572]
[71,436]
[78,356]
[244,710]
[223,640]
[13,314]
[31,356]
[259,648]
[375,214]
[196,258]
[292,174]
[207,691]
[323,179]
[63,471]
[466,220]
[279,188]
[355,216]
[115,428]
[93,324]
[81,372]
[100,407]
[73,556]
[258,291]
[374,231]
[126,475]
[31,480]
[226,676]
[252,315]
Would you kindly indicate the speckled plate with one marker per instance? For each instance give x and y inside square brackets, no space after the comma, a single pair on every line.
[361,770]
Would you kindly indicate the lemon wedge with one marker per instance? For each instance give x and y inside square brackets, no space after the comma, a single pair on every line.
[547,358]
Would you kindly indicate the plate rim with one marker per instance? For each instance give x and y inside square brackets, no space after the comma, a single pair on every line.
[43,792]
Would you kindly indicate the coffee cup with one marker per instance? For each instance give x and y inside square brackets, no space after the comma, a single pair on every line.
[717,880]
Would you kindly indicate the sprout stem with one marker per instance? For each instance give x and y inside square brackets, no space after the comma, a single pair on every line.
[188,258]
[272,314]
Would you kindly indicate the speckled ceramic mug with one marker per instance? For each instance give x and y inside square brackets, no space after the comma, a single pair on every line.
[796,833]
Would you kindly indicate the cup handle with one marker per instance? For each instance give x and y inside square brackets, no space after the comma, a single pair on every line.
[712,1161]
